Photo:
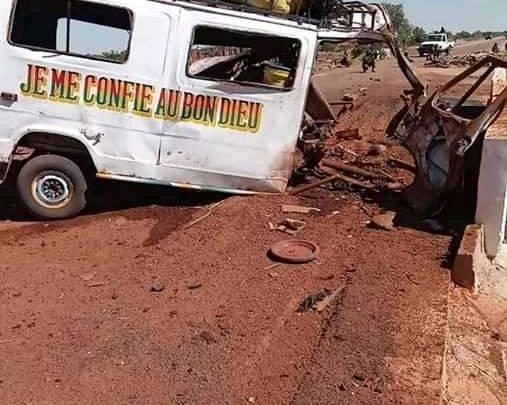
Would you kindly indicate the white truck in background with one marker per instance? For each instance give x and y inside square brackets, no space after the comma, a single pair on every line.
[436,44]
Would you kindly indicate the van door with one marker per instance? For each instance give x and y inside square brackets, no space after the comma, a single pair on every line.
[233,109]
[83,69]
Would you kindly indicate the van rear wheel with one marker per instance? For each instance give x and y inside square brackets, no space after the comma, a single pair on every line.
[52,187]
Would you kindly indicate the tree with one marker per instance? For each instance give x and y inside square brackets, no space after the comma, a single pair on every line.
[401,25]
[114,55]
[418,35]
[463,35]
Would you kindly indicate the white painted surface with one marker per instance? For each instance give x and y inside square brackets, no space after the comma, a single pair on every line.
[492,190]
[141,144]
[492,193]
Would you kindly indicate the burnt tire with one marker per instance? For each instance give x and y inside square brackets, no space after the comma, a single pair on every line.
[52,187]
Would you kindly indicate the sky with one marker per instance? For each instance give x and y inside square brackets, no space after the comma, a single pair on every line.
[86,38]
[454,15]
[457,15]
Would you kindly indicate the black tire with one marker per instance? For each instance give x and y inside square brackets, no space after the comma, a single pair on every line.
[52,187]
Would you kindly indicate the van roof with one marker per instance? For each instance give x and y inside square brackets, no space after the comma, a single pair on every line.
[243,10]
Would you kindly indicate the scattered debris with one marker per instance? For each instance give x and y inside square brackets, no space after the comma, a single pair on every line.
[157,287]
[207,337]
[402,164]
[359,377]
[273,274]
[334,177]
[87,276]
[320,300]
[394,186]
[309,302]
[377,150]
[355,170]
[289,226]
[297,209]
[384,221]
[295,251]
[196,221]
[306,187]
[272,266]
[97,284]
[445,61]
[350,97]
[344,149]
[323,304]
[348,134]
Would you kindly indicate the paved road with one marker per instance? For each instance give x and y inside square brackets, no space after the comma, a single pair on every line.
[467,47]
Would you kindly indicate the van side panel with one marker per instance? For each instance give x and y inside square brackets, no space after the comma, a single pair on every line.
[217,151]
[115,136]
[135,140]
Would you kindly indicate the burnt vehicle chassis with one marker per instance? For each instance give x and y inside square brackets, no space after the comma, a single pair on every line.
[440,135]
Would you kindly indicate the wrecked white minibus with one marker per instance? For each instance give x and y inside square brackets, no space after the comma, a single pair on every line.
[185,94]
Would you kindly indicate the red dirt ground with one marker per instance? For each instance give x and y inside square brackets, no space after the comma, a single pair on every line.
[80,323]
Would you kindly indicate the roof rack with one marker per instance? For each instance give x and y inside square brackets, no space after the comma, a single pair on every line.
[326,13]
[243,6]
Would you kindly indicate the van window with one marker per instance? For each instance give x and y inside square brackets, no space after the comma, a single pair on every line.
[74,27]
[243,57]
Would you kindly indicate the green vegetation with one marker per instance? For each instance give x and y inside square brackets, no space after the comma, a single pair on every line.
[114,56]
[479,34]
[404,30]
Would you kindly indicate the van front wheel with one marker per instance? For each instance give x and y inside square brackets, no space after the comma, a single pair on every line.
[52,187]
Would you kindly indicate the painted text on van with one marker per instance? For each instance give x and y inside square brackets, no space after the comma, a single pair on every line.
[141,99]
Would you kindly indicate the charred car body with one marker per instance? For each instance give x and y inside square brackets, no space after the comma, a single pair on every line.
[441,133]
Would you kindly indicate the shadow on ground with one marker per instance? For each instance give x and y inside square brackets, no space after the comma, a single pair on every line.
[111,196]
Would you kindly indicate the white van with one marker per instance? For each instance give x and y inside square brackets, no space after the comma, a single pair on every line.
[167,92]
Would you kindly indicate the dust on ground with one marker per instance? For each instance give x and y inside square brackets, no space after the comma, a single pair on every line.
[128,304]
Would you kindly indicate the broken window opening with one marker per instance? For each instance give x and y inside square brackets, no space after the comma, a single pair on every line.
[242,57]
[436,38]
[74,27]
[469,97]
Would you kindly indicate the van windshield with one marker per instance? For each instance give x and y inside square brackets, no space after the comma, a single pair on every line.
[436,38]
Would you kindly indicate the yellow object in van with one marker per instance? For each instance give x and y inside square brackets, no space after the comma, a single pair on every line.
[276,75]
[280,6]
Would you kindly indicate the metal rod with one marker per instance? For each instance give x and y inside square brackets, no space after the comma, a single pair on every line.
[474,87]
[69,15]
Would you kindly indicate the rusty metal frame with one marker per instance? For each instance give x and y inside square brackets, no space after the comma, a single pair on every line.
[423,126]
